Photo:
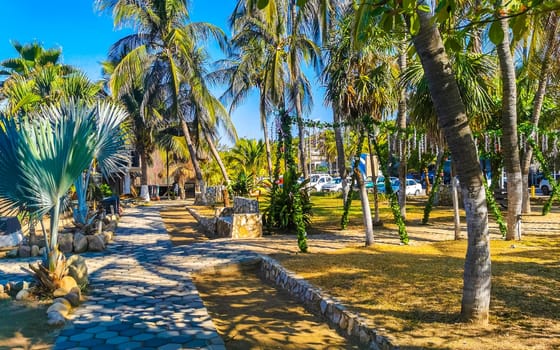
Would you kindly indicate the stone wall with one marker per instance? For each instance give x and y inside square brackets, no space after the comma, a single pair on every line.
[347,323]
[243,205]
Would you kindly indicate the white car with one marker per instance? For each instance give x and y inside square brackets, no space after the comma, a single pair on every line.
[317,181]
[333,186]
[413,188]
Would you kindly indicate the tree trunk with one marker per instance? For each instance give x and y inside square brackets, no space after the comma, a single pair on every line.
[341,157]
[374,175]
[143,167]
[551,45]
[265,134]
[403,144]
[453,121]
[510,140]
[366,211]
[196,164]
[217,157]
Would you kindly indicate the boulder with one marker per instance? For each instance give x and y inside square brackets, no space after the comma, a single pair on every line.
[77,269]
[35,250]
[60,292]
[1,288]
[80,243]
[66,242]
[42,251]
[73,298]
[62,308]
[24,251]
[4,296]
[63,301]
[17,287]
[67,283]
[96,243]
[23,294]
[55,319]
[107,236]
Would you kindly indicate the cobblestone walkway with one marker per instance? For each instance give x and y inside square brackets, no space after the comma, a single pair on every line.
[142,296]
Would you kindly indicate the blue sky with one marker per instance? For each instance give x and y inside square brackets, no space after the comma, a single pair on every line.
[85,37]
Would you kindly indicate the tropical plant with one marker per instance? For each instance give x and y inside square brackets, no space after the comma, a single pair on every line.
[167,48]
[41,157]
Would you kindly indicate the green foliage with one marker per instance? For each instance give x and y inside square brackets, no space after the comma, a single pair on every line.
[433,193]
[241,186]
[291,205]
[105,190]
[491,202]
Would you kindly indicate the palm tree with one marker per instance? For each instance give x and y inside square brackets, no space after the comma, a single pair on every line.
[36,78]
[41,157]
[171,47]
[248,156]
[110,153]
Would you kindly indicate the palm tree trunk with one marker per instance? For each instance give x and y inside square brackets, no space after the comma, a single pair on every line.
[366,211]
[374,175]
[217,157]
[453,121]
[401,123]
[341,158]
[143,167]
[510,140]
[196,164]
[265,134]
[551,45]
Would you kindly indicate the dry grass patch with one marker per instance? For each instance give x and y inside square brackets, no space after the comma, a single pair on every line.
[414,293]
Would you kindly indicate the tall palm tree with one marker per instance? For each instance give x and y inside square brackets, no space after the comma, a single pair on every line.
[31,57]
[170,44]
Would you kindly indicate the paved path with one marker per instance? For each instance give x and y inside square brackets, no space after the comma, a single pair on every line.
[142,295]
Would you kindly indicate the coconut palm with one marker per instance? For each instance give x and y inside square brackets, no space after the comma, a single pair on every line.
[248,156]
[168,48]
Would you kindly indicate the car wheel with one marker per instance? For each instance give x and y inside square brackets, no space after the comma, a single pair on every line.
[417,193]
[545,190]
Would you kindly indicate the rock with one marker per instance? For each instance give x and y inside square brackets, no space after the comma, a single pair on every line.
[63,301]
[4,296]
[66,242]
[67,283]
[21,285]
[96,243]
[24,251]
[55,319]
[62,308]
[42,251]
[77,268]
[107,236]
[60,292]
[80,243]
[34,250]
[111,226]
[12,253]
[73,298]
[1,288]
[23,294]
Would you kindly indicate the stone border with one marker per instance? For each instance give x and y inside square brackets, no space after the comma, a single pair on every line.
[347,324]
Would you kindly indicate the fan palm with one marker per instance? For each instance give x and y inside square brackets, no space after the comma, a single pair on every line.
[40,158]
[110,154]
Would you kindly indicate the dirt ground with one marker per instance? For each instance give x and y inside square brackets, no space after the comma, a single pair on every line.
[23,326]
[250,314]
[328,246]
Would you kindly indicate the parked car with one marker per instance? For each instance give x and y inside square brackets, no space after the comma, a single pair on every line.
[316,181]
[413,188]
[545,185]
[335,185]
[380,183]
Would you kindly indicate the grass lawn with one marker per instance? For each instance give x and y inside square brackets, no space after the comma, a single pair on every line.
[413,293]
